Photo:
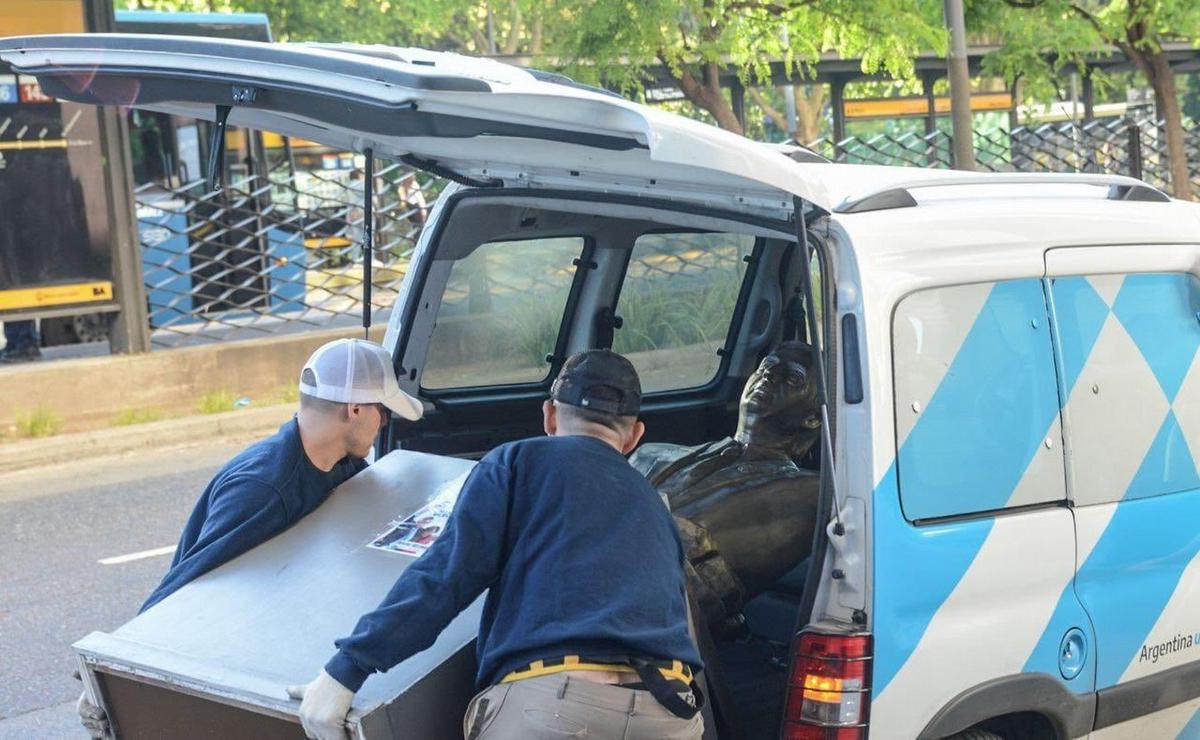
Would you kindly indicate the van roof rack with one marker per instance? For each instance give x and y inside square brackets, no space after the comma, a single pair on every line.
[897,195]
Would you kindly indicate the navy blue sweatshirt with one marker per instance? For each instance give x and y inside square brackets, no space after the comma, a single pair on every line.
[266,488]
[580,555]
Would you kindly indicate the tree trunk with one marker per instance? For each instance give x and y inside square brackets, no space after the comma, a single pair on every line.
[778,118]
[481,42]
[512,42]
[1162,78]
[810,112]
[535,40]
[708,95]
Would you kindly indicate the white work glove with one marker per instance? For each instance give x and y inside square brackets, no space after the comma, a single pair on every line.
[92,717]
[323,706]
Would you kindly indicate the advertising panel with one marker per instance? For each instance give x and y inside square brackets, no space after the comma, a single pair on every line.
[55,230]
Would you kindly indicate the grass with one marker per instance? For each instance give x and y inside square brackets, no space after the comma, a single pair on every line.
[288,394]
[659,318]
[129,417]
[215,402]
[41,422]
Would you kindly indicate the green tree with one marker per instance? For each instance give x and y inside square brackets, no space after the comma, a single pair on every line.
[616,41]
[1041,37]
[468,26]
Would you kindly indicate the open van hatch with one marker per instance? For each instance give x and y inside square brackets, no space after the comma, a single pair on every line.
[486,121]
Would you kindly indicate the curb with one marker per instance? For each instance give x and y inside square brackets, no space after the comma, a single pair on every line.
[114,441]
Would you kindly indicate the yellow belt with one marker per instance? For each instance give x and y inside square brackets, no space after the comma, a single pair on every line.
[671,670]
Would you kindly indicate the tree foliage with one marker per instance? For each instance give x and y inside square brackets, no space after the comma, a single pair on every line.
[1042,38]
[468,26]
[617,41]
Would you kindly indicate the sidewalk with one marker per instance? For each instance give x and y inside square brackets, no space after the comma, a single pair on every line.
[91,393]
[240,425]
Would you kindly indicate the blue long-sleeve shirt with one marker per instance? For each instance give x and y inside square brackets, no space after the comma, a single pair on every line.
[579,553]
[262,491]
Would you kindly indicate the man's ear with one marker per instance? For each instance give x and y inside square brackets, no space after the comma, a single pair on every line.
[635,436]
[549,418]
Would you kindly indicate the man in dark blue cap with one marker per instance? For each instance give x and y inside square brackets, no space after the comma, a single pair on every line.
[584,631]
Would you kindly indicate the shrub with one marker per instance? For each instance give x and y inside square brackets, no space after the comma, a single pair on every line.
[215,402]
[129,417]
[41,422]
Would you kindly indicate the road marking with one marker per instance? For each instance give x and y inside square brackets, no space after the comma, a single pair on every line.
[117,560]
[71,123]
[30,144]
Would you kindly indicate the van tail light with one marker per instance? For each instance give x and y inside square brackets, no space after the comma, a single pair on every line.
[828,687]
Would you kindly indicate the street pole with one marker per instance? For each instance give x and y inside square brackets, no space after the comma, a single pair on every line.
[131,329]
[960,87]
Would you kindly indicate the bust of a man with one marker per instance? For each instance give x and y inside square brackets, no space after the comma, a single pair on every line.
[745,509]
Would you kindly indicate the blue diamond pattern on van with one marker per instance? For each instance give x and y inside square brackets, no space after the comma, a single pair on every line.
[1113,413]
[1134,425]
[1126,377]
[1159,312]
[1003,371]
[1169,465]
[925,566]
[1077,299]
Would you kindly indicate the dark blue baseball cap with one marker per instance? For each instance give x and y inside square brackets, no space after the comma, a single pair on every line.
[600,380]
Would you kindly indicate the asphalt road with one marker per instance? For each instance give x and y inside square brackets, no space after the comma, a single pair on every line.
[55,526]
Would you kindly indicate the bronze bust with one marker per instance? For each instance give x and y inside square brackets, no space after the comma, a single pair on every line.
[745,509]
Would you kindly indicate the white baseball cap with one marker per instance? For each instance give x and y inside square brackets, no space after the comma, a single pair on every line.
[356,371]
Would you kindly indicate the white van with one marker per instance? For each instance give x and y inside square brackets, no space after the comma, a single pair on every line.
[1012,517]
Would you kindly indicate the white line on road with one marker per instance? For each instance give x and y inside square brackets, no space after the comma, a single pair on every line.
[117,560]
[71,123]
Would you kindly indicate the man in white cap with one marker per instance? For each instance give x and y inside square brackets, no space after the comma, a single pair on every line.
[347,388]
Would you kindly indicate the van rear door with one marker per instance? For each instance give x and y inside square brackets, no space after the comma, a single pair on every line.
[483,120]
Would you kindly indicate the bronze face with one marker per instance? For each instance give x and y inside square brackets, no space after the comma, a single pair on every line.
[780,393]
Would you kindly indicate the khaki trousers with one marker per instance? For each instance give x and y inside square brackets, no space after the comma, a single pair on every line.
[559,706]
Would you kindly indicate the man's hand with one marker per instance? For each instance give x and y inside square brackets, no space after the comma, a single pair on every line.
[92,717]
[323,706]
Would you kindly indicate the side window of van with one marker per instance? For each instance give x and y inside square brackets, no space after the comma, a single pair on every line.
[501,313]
[977,411]
[1129,346]
[676,305]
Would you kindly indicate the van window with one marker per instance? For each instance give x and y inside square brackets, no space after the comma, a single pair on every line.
[1128,345]
[501,313]
[977,420]
[676,305]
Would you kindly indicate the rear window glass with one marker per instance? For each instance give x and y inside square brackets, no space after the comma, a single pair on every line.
[501,313]
[676,305]
[977,420]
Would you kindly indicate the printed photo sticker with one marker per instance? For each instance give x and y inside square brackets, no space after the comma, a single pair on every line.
[413,534]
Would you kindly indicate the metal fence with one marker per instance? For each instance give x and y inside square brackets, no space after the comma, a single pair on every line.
[1124,146]
[282,253]
[274,254]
